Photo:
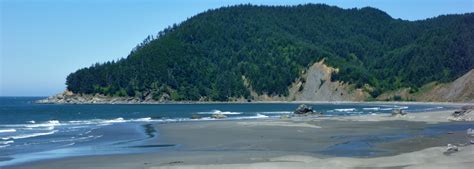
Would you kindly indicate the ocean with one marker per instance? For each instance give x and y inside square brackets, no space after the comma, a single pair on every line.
[30,131]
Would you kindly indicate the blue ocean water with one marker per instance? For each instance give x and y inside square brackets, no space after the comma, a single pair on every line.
[30,131]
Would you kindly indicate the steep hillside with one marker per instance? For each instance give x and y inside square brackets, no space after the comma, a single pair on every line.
[248,52]
[460,90]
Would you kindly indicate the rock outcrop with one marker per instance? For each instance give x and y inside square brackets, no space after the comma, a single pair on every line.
[465,114]
[68,97]
[460,90]
[305,110]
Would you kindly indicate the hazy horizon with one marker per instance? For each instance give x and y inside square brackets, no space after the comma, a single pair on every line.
[42,42]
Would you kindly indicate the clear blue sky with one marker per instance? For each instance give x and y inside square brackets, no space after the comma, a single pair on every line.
[42,41]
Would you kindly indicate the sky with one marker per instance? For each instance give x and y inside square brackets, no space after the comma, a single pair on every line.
[42,41]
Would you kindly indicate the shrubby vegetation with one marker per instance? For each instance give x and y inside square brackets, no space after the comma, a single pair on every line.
[207,56]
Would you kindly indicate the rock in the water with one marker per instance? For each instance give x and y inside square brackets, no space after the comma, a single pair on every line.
[218,116]
[451,149]
[303,109]
[398,112]
[195,116]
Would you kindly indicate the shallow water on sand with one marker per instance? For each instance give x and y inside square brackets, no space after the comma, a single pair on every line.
[31,131]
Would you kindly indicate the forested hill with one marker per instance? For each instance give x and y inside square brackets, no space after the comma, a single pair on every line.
[224,53]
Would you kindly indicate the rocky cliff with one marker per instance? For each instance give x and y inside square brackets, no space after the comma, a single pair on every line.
[460,90]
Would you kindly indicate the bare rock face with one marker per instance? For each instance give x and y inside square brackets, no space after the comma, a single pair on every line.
[315,85]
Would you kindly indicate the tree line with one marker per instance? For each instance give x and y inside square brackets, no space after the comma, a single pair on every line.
[208,56]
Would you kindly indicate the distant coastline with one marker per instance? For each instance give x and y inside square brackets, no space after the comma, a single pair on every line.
[63,98]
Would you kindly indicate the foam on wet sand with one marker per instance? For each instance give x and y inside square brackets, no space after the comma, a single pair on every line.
[295,143]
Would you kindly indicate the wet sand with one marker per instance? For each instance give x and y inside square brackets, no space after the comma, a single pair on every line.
[372,141]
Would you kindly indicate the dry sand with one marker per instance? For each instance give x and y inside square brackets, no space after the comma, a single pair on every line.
[427,158]
[428,117]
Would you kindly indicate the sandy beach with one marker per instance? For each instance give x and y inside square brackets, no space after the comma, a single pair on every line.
[417,140]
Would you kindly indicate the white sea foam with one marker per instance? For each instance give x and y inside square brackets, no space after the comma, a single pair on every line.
[70,144]
[49,125]
[371,108]
[77,139]
[54,122]
[32,122]
[7,142]
[277,112]
[117,120]
[258,116]
[7,130]
[345,110]
[23,136]
[220,112]
[432,108]
[401,107]
[146,119]
[104,122]
[354,112]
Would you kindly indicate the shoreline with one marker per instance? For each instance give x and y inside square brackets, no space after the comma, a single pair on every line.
[68,97]
[270,102]
[293,143]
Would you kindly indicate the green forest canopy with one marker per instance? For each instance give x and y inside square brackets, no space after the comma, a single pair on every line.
[206,56]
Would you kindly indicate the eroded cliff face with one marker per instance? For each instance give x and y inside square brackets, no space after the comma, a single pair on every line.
[315,85]
[460,90]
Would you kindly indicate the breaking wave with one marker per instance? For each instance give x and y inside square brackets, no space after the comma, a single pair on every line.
[345,110]
[220,112]
[7,130]
[22,136]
